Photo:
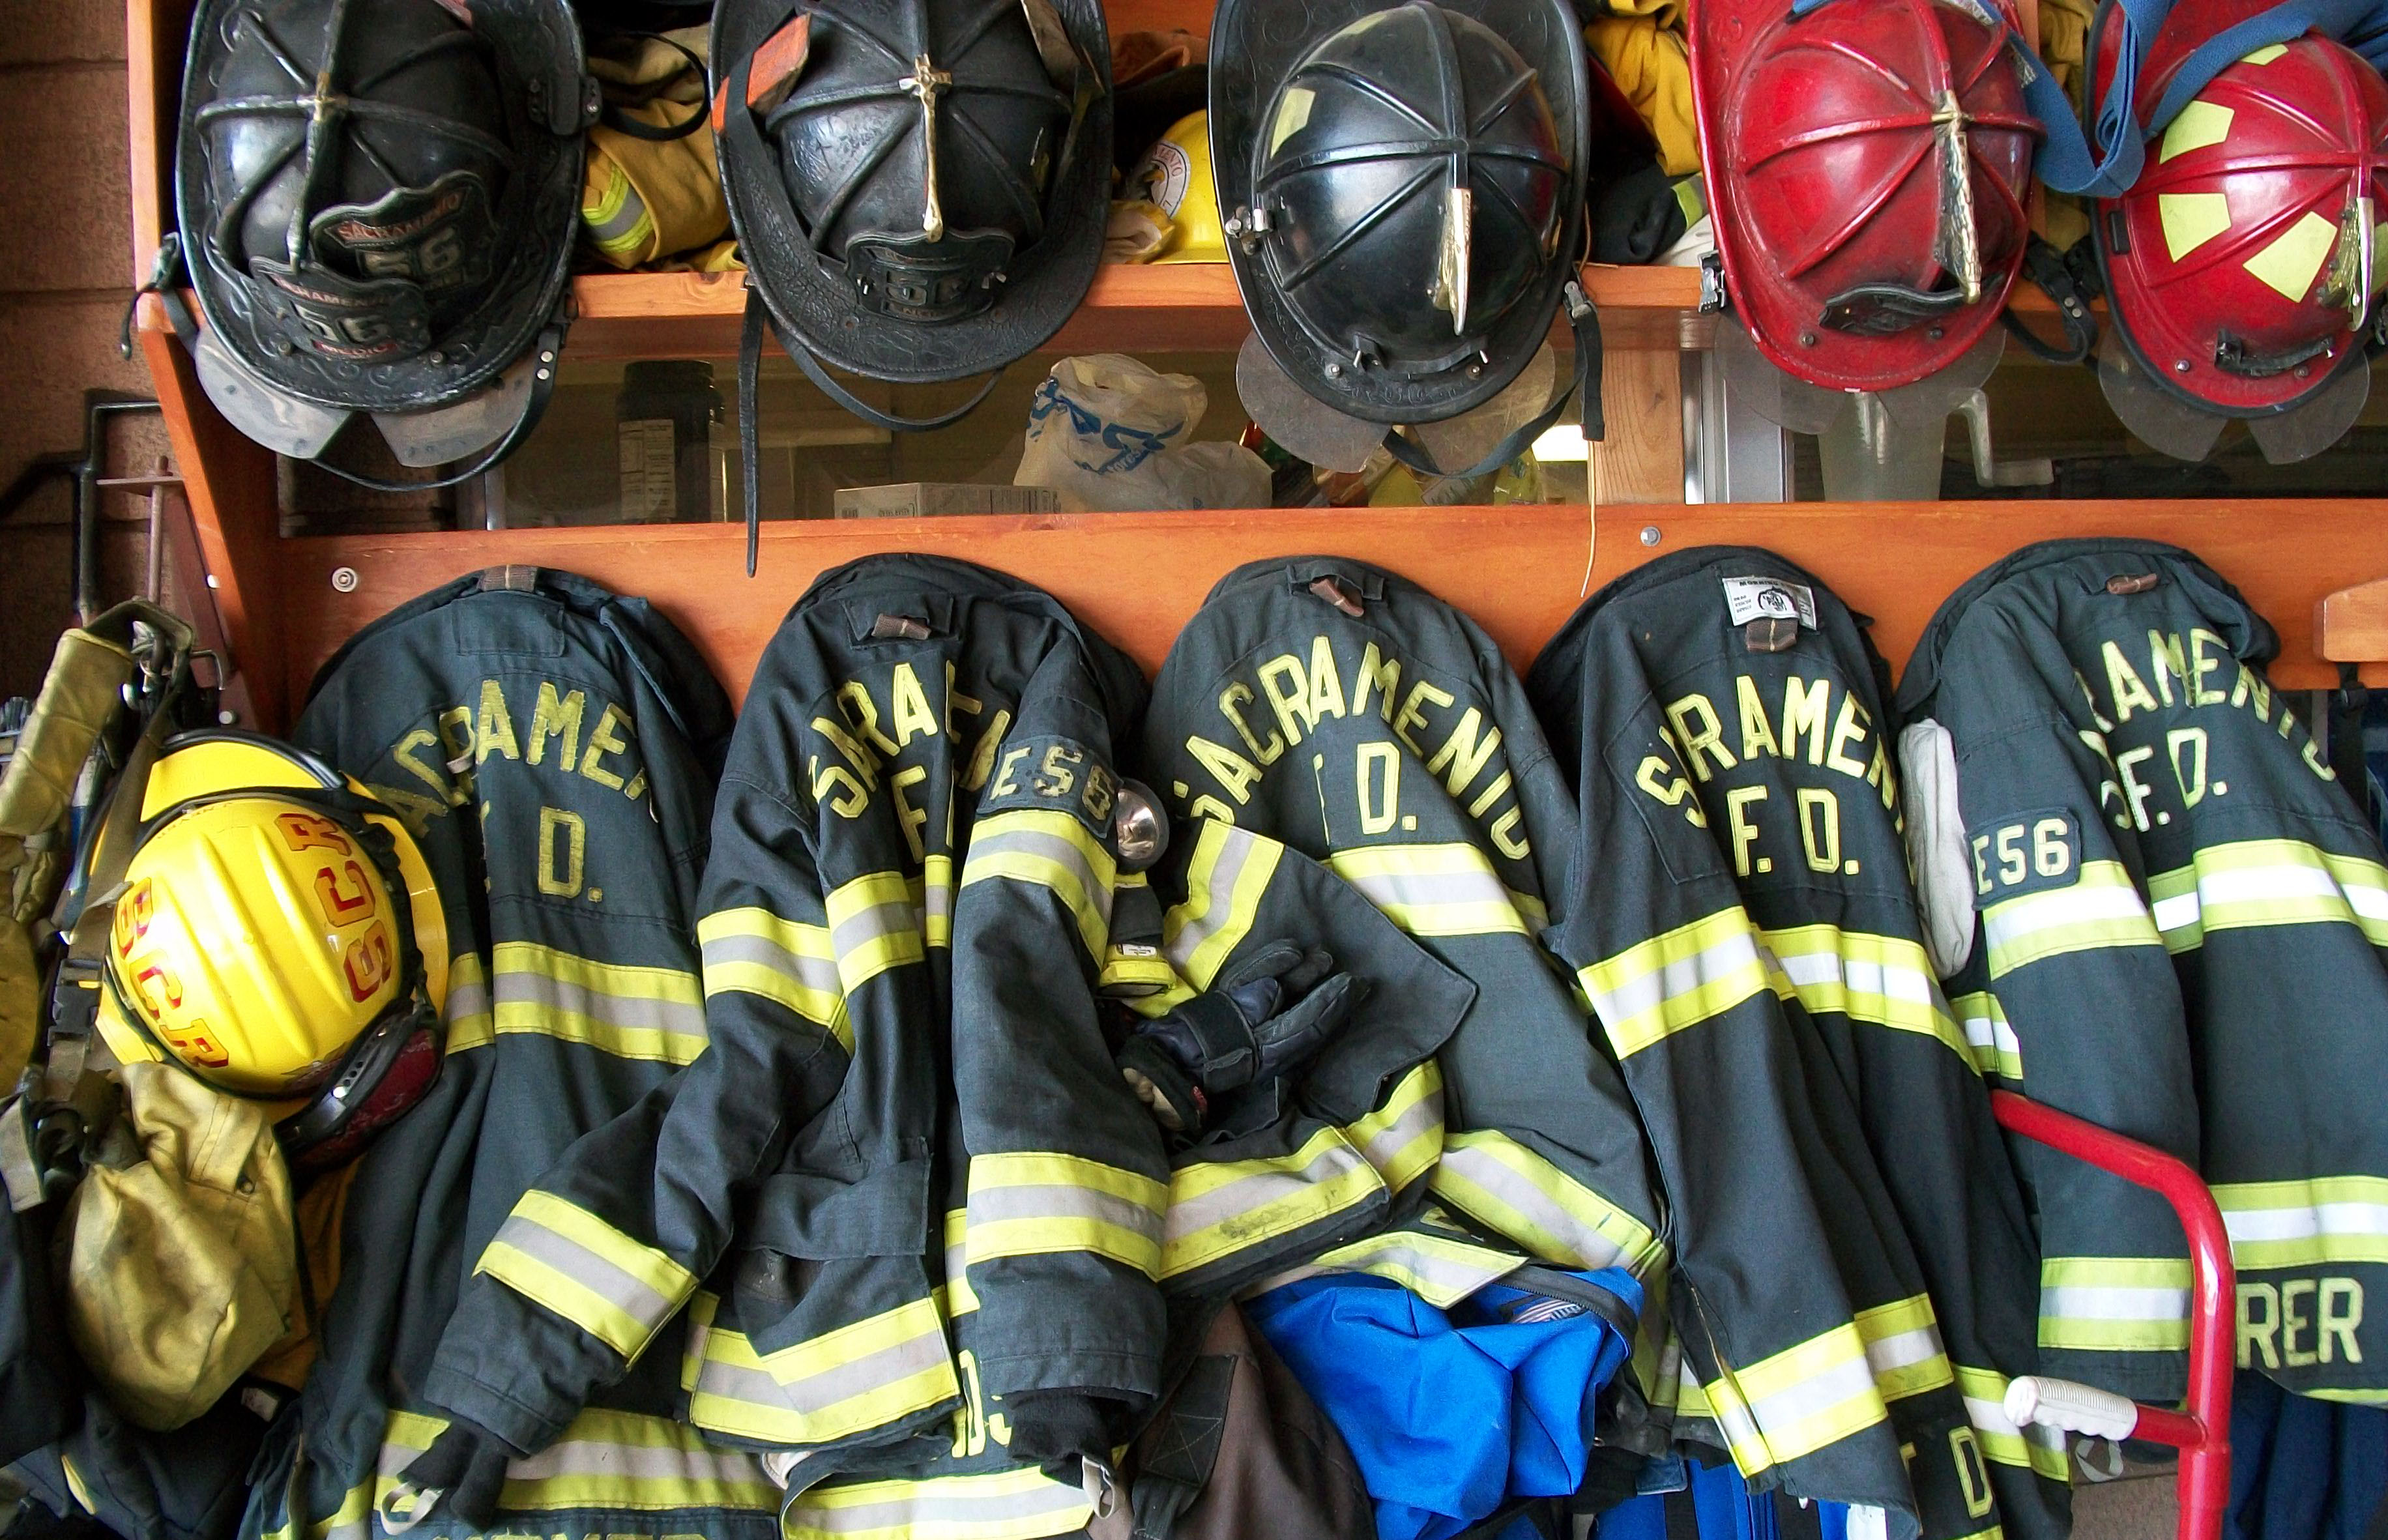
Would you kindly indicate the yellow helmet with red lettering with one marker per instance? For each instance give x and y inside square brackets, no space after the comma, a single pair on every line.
[280,936]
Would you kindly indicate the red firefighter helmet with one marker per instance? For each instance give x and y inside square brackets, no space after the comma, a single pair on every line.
[2240,267]
[1867,162]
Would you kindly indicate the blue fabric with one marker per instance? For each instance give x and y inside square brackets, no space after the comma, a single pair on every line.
[1723,1506]
[1449,1415]
[2303,1469]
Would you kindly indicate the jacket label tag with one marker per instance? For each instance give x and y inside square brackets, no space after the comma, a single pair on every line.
[1749,599]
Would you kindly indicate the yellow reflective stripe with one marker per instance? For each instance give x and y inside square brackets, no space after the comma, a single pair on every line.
[1447,889]
[872,926]
[1000,1505]
[868,1375]
[1902,1344]
[630,1012]
[2268,882]
[2115,1304]
[754,951]
[1220,1208]
[467,1011]
[1229,871]
[2299,1224]
[1524,1197]
[1402,1139]
[1035,1204]
[2037,1449]
[605,1459]
[1053,850]
[933,896]
[1997,1050]
[564,1257]
[955,1295]
[617,219]
[2101,909]
[1437,1269]
[1678,980]
[1885,980]
[1800,1400]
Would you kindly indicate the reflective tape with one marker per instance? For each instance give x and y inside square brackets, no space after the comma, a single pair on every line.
[873,925]
[616,219]
[630,1012]
[2115,1304]
[1521,1195]
[2034,1448]
[2300,1224]
[1803,1399]
[1052,850]
[1902,1347]
[466,1012]
[754,951]
[1000,1505]
[933,896]
[1218,1209]
[2268,882]
[1662,986]
[1433,890]
[1036,1204]
[561,1256]
[1997,1050]
[872,1374]
[2100,910]
[1437,1269]
[1884,980]
[1229,871]
[1402,1139]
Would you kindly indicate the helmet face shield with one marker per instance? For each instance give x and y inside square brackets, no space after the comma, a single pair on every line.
[1868,165]
[1403,190]
[378,197]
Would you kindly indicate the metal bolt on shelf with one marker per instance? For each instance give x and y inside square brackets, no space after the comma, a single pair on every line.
[344,579]
[1650,535]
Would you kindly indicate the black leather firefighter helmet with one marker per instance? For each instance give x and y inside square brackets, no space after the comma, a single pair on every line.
[918,188]
[1402,188]
[378,198]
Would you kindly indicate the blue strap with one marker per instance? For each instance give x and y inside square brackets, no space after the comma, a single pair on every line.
[2066,160]
[2362,25]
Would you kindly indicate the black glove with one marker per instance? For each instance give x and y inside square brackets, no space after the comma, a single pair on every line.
[463,1470]
[1058,1430]
[1269,1018]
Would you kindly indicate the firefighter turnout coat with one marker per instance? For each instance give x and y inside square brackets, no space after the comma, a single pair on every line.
[2178,932]
[1347,713]
[905,1181]
[555,750]
[1853,1279]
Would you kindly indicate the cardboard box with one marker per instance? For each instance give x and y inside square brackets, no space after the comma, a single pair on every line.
[926,498]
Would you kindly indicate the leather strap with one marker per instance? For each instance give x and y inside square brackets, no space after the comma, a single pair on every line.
[1584,318]
[2068,278]
[750,445]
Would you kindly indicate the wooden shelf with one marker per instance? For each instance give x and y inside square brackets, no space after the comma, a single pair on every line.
[1520,570]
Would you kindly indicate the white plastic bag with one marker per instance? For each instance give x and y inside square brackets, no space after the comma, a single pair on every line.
[1108,433]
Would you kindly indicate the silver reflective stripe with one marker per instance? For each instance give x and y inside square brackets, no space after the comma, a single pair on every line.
[1783,1414]
[934,1507]
[1887,1356]
[632,1012]
[1051,847]
[813,973]
[894,917]
[1671,981]
[2081,1302]
[812,1393]
[466,997]
[2306,1221]
[1588,1247]
[1189,1216]
[1440,1281]
[576,1262]
[1055,1200]
[1419,1118]
[1236,848]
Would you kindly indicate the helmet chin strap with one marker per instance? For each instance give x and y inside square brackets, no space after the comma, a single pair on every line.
[1584,319]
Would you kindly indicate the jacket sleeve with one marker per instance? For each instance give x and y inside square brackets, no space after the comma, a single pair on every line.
[1067,1180]
[2071,994]
[607,1247]
[1332,1150]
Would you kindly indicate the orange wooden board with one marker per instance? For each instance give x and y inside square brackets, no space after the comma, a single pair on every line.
[1518,571]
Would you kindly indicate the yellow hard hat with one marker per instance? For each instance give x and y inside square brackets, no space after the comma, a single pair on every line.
[1176,174]
[279,934]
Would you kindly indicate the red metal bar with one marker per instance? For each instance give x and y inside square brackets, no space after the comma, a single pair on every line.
[2203,1433]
